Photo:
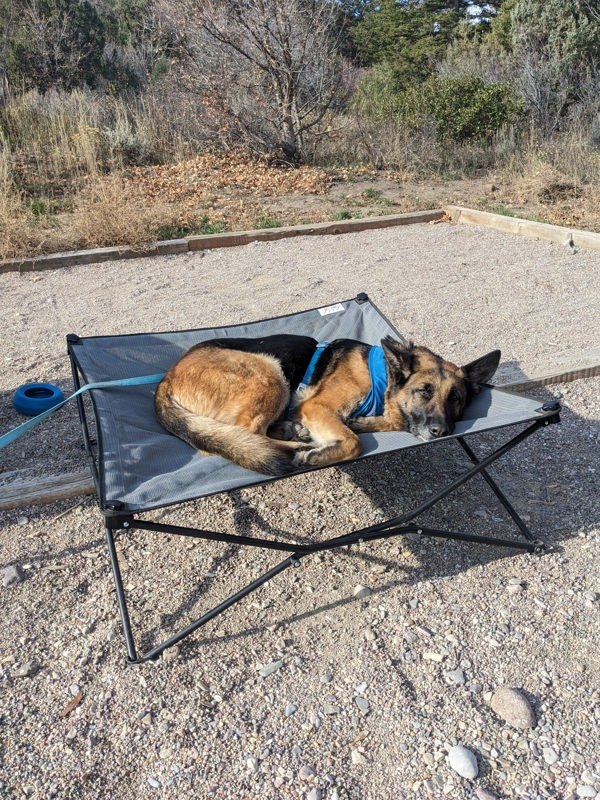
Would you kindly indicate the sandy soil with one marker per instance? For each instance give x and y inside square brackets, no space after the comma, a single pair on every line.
[373,689]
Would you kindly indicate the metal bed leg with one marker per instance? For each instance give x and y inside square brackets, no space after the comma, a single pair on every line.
[132,654]
[121,599]
[392,527]
[498,492]
[234,598]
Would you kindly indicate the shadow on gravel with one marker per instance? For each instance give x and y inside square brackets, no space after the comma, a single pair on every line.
[549,479]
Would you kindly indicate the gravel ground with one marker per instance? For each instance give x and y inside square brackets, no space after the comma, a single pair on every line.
[354,676]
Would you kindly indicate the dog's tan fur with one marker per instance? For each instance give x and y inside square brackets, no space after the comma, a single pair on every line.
[228,399]
[230,402]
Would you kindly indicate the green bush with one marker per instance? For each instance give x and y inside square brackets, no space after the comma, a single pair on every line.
[463,108]
[377,96]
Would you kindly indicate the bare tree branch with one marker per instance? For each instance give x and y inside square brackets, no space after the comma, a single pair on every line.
[271,66]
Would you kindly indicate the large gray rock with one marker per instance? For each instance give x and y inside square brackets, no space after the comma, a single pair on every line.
[11,575]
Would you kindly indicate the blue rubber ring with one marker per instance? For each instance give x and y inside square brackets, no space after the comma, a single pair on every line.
[32,399]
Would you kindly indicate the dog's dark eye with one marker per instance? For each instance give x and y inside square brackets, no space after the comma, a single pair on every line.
[454,397]
[424,391]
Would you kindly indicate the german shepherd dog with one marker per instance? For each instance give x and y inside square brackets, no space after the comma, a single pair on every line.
[240,398]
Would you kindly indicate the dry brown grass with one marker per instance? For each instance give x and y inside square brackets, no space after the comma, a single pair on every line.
[113,211]
[558,182]
[18,233]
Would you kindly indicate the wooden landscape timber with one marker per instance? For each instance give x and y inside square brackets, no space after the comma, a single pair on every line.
[20,493]
[211,241]
[569,237]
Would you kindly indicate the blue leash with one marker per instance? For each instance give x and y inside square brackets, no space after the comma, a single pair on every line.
[17,432]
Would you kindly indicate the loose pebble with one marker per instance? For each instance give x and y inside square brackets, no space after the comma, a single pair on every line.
[25,670]
[11,575]
[363,704]
[307,772]
[269,669]
[428,655]
[484,794]
[357,757]
[455,676]
[463,761]
[513,708]
[585,791]
[550,755]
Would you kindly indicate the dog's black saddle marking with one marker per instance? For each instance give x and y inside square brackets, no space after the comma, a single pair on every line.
[293,352]
[333,353]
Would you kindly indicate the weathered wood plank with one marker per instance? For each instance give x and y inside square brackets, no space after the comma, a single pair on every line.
[548,380]
[237,238]
[94,256]
[213,240]
[524,227]
[18,494]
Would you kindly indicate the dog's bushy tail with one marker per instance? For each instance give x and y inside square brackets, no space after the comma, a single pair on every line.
[250,450]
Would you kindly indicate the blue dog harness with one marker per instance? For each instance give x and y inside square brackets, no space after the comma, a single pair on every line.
[311,365]
[372,404]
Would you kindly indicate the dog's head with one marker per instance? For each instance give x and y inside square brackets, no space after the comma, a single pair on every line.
[427,393]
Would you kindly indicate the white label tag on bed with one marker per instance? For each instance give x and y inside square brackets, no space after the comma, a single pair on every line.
[331,309]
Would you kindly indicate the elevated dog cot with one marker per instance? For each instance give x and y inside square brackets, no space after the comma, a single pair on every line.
[138,466]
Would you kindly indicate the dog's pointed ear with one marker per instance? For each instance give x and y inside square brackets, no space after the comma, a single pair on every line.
[399,357]
[480,371]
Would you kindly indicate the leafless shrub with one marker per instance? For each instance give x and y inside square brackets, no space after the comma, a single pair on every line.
[268,69]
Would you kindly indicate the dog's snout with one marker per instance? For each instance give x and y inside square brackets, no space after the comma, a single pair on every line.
[437,429]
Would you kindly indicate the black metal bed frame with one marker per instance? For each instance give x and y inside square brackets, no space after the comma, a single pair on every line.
[116,520]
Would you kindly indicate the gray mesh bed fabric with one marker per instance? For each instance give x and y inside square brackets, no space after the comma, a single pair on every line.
[142,467]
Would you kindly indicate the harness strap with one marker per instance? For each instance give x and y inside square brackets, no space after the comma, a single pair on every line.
[372,405]
[16,433]
[311,365]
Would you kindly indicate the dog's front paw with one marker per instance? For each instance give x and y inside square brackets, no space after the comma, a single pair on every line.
[359,424]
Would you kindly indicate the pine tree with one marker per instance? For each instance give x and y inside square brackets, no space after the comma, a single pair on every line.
[411,36]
